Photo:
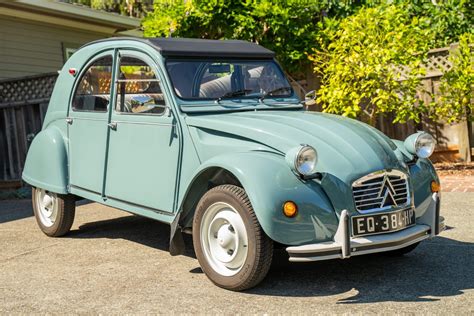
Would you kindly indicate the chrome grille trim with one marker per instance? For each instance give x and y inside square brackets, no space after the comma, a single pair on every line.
[381,190]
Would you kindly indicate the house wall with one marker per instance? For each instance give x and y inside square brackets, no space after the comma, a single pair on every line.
[29,48]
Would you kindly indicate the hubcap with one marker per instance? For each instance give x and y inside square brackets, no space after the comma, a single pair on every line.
[47,205]
[224,239]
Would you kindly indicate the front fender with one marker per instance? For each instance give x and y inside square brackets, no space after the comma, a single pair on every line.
[46,162]
[269,182]
[421,175]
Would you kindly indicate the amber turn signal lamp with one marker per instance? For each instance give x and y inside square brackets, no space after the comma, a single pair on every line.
[435,186]
[290,209]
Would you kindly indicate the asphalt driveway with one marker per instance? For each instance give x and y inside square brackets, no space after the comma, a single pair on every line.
[114,262]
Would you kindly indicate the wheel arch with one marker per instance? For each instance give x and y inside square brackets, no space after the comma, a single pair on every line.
[204,180]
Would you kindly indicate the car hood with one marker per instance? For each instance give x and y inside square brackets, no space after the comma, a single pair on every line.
[347,149]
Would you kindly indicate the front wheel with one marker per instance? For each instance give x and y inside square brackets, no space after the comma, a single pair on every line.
[54,213]
[230,245]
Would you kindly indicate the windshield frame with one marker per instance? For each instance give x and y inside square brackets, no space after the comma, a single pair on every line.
[292,96]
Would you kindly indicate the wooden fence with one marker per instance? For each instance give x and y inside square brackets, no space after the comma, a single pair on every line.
[453,140]
[23,104]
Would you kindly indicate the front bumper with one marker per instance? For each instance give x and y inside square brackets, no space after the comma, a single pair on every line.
[344,246]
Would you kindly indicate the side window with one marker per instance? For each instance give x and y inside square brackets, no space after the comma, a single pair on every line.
[138,89]
[93,91]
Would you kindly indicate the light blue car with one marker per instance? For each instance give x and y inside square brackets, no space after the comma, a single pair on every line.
[209,137]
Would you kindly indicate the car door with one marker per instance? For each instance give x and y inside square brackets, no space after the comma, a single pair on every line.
[87,128]
[143,147]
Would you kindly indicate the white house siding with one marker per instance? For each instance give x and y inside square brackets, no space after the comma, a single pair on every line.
[29,48]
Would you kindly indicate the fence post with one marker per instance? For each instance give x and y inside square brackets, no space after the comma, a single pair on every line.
[464,143]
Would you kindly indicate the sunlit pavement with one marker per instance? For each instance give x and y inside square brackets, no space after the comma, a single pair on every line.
[457,183]
[114,262]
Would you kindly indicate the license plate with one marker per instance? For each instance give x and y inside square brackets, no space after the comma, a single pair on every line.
[382,223]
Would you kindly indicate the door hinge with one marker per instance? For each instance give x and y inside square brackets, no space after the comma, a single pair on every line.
[69,120]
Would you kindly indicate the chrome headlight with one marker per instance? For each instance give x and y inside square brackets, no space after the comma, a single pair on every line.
[302,160]
[421,144]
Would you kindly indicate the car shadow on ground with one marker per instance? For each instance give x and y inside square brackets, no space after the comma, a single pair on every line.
[437,268]
[138,229]
[12,210]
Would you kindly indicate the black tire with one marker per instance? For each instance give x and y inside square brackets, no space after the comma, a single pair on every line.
[402,251]
[65,208]
[260,246]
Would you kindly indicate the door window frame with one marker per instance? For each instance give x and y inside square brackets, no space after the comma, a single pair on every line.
[78,80]
[138,54]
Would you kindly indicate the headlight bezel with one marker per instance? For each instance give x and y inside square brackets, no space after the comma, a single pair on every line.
[293,157]
[413,144]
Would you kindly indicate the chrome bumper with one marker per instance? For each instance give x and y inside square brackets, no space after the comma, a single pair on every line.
[344,246]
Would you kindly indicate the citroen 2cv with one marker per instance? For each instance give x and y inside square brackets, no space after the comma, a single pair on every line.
[209,137]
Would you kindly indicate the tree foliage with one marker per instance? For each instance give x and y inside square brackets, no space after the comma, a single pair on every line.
[456,101]
[133,8]
[361,63]
[372,62]
[289,27]
[447,19]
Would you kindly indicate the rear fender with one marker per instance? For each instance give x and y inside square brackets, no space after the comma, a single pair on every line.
[46,162]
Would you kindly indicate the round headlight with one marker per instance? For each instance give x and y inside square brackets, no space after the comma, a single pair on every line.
[424,145]
[306,159]
[302,160]
[421,144]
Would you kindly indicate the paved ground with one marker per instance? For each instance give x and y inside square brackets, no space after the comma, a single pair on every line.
[113,262]
[457,183]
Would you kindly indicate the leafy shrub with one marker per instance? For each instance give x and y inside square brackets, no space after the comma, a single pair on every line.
[361,59]
[456,101]
[289,28]
[447,19]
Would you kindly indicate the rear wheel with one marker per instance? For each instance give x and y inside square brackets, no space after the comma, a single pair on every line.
[230,245]
[54,213]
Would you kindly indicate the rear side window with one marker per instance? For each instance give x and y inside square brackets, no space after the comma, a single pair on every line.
[93,91]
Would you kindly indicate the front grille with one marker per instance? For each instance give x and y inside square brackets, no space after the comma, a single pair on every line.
[380,191]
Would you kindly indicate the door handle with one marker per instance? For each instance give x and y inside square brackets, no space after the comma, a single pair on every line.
[112,125]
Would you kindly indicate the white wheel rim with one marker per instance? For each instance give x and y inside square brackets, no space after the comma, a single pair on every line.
[47,205]
[224,239]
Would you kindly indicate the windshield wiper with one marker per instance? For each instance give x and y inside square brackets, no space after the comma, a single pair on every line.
[232,94]
[270,93]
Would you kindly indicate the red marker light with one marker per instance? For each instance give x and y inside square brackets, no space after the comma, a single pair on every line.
[72,71]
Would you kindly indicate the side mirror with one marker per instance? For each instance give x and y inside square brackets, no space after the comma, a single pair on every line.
[310,98]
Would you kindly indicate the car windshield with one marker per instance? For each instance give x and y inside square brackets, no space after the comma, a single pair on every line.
[229,79]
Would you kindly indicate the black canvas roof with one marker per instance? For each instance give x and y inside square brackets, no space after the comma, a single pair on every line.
[189,47]
[195,47]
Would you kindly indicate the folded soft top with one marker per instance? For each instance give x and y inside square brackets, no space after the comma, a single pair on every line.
[189,47]
[195,47]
